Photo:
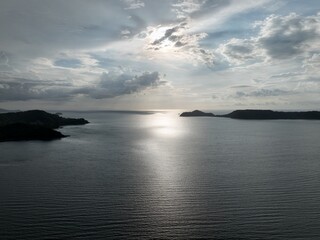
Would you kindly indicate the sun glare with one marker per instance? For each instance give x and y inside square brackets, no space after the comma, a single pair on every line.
[164,124]
[158,41]
[158,33]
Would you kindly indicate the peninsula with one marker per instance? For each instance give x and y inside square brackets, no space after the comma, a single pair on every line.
[269,114]
[259,115]
[34,125]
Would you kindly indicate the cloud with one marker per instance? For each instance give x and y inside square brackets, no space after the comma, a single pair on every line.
[41,28]
[68,63]
[113,84]
[312,64]
[4,60]
[214,13]
[252,96]
[169,35]
[241,86]
[286,36]
[184,8]
[20,91]
[44,43]
[196,9]
[279,37]
[287,75]
[237,51]
[178,40]
[133,4]
[264,93]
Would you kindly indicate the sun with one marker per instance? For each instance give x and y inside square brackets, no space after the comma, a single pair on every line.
[158,40]
[157,33]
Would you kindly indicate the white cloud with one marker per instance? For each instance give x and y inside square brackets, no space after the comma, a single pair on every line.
[287,36]
[214,13]
[177,41]
[279,37]
[183,8]
[237,51]
[133,4]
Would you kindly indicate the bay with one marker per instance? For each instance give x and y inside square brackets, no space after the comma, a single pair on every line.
[153,174]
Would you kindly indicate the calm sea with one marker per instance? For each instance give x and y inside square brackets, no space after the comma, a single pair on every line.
[130,175]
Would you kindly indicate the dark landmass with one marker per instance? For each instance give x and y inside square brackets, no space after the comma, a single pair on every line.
[22,132]
[259,115]
[39,117]
[268,114]
[33,125]
[196,113]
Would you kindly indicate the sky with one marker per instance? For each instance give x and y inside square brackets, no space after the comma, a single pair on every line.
[152,54]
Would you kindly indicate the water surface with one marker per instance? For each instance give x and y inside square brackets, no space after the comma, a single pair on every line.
[155,175]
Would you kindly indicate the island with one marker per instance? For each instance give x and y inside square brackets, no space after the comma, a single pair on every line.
[260,115]
[23,132]
[34,125]
[196,113]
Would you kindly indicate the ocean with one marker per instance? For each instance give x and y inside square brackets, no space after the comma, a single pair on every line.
[155,175]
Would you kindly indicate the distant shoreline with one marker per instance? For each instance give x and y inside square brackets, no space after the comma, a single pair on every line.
[259,115]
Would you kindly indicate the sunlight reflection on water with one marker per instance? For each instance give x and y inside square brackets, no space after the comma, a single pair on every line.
[160,156]
[165,124]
